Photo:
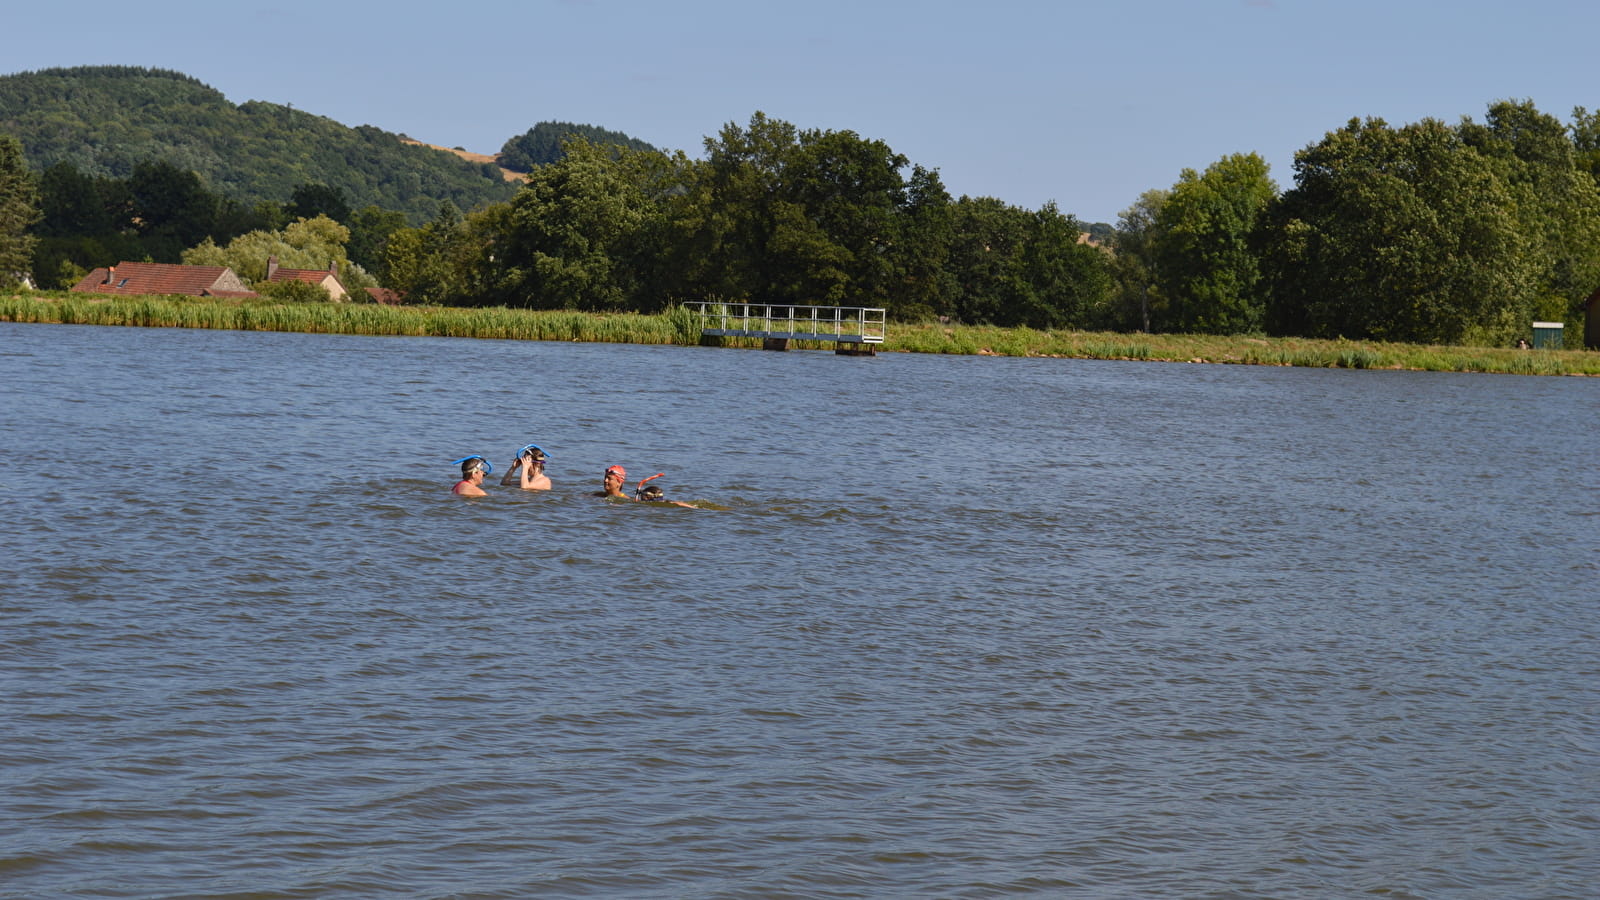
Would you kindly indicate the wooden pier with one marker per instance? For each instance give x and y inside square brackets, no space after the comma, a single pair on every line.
[854,330]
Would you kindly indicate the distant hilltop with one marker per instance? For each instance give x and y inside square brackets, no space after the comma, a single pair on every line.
[104,120]
[469,156]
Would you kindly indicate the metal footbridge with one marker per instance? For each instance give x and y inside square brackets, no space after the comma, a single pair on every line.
[777,324]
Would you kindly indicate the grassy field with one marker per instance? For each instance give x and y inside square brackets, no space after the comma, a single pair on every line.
[681,327]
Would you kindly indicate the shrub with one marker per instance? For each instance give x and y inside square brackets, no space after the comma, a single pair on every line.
[294,291]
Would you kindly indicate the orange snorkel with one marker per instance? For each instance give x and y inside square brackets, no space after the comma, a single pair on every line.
[638,489]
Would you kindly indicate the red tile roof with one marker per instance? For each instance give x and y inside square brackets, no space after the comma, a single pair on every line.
[164,278]
[310,276]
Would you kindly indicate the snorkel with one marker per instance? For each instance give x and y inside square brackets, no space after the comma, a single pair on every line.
[638,489]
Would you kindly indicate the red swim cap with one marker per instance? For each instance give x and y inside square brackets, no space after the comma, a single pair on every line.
[619,471]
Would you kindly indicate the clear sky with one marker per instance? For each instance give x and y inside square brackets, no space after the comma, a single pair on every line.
[1030,101]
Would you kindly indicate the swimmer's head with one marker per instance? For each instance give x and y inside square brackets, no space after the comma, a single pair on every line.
[618,471]
[652,492]
[470,464]
[532,453]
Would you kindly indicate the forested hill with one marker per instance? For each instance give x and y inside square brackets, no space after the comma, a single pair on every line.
[106,119]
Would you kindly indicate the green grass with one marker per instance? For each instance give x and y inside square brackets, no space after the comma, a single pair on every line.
[679,326]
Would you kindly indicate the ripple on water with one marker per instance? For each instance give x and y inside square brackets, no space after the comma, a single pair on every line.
[1067,629]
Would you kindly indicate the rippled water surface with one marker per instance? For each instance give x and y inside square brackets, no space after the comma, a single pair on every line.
[958,627]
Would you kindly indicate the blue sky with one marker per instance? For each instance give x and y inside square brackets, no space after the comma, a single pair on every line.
[1084,104]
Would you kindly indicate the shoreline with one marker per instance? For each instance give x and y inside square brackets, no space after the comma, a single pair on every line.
[678,328]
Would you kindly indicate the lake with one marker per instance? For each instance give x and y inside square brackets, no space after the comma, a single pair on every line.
[948,626]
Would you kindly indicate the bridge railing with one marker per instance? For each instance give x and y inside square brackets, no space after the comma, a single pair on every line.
[844,324]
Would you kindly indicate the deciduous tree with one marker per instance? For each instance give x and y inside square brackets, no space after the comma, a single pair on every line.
[172,209]
[1558,202]
[311,200]
[425,265]
[1398,234]
[1138,297]
[1205,263]
[303,244]
[570,238]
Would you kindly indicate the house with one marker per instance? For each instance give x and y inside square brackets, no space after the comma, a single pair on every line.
[328,278]
[164,278]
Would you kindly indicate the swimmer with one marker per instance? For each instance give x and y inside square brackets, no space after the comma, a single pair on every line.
[611,483]
[652,493]
[527,471]
[473,468]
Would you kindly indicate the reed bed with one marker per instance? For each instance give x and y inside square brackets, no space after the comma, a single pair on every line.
[343,318]
[1237,349]
[682,327]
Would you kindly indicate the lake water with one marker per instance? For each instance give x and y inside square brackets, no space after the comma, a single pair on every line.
[959,627]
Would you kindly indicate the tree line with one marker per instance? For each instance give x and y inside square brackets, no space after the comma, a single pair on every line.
[1426,233]
[772,213]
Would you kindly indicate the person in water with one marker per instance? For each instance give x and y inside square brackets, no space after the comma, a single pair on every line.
[611,483]
[652,493]
[527,471]
[473,468]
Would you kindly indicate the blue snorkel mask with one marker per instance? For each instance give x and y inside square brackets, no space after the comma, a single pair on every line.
[528,449]
[469,464]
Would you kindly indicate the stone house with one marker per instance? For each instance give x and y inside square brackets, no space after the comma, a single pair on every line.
[327,279]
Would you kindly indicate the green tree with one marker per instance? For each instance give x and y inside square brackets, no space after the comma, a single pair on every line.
[19,210]
[850,194]
[92,220]
[294,291]
[1138,297]
[818,217]
[311,200]
[172,209]
[660,249]
[1397,234]
[1558,201]
[370,228]
[1585,133]
[545,143]
[986,260]
[1015,267]
[1068,279]
[924,285]
[76,204]
[303,244]
[429,265]
[571,236]
[744,168]
[1206,266]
